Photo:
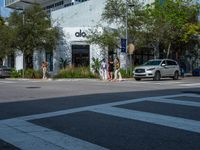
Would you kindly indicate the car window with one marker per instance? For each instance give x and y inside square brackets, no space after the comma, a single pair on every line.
[152,63]
[163,62]
[171,63]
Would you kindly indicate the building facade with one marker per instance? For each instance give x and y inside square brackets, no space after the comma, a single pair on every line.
[4,12]
[74,18]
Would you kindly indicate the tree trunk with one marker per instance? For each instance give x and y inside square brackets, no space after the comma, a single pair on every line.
[156,50]
[168,50]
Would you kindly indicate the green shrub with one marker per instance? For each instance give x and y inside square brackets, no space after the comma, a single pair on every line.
[16,74]
[28,73]
[96,63]
[75,72]
[127,73]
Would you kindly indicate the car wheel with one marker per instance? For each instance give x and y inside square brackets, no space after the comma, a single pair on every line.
[157,76]
[176,75]
[137,79]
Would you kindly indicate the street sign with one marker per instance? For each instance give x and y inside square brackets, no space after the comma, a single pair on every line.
[123,45]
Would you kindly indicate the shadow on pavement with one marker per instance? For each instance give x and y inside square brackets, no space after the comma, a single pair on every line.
[30,107]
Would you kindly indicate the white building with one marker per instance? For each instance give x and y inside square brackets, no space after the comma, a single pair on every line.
[74,17]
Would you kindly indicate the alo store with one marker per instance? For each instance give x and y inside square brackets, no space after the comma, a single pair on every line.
[75,49]
[74,22]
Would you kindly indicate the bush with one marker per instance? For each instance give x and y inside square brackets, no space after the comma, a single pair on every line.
[28,73]
[96,63]
[127,74]
[16,74]
[75,72]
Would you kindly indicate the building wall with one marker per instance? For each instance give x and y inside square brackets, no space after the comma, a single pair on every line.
[4,12]
[76,20]
[73,19]
[198,2]
[64,49]
[85,14]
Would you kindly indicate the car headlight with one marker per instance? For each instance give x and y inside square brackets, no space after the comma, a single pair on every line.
[150,69]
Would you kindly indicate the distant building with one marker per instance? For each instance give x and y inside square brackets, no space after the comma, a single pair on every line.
[74,17]
[4,12]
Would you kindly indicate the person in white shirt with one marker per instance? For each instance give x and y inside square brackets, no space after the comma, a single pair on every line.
[104,69]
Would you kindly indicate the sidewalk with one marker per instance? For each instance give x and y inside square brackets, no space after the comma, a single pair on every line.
[188,74]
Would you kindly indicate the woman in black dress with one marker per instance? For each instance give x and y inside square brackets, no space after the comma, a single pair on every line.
[110,69]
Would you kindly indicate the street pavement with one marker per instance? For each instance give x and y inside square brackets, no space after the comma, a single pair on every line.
[89,114]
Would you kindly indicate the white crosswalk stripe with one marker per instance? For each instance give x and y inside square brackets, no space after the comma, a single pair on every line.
[191,84]
[175,122]
[7,82]
[28,136]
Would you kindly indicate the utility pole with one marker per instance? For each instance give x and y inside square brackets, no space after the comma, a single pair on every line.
[126,27]
[126,23]
[23,22]
[130,55]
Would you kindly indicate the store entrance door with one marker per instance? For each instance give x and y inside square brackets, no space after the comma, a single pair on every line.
[80,55]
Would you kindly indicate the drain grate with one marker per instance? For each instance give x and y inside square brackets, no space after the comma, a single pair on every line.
[33,87]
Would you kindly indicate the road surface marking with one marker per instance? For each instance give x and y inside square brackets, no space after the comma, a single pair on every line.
[28,136]
[6,82]
[175,122]
[191,84]
[178,102]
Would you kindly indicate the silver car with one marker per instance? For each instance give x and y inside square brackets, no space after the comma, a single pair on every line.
[5,71]
[156,69]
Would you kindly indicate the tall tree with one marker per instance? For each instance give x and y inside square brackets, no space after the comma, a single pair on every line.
[115,16]
[32,30]
[163,26]
[5,39]
[1,21]
[167,23]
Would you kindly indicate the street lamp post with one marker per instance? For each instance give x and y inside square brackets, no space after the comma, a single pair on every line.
[126,22]
[23,20]
[130,55]
[126,27]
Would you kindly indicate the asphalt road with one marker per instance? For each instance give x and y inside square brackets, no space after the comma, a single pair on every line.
[83,114]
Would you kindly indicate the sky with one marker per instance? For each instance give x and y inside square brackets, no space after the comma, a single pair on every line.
[1,3]
[3,11]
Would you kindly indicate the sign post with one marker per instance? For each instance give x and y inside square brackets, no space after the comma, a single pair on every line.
[123,45]
[131,49]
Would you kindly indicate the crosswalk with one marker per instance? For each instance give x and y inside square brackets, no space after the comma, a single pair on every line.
[29,136]
[171,82]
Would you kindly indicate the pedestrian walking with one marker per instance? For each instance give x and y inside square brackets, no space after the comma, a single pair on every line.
[110,68]
[104,69]
[117,69]
[44,69]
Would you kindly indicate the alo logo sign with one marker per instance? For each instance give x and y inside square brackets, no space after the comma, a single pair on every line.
[80,34]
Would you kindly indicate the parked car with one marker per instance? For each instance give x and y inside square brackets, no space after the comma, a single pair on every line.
[5,71]
[156,69]
[196,72]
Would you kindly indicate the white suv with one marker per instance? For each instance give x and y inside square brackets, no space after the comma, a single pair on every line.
[156,69]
